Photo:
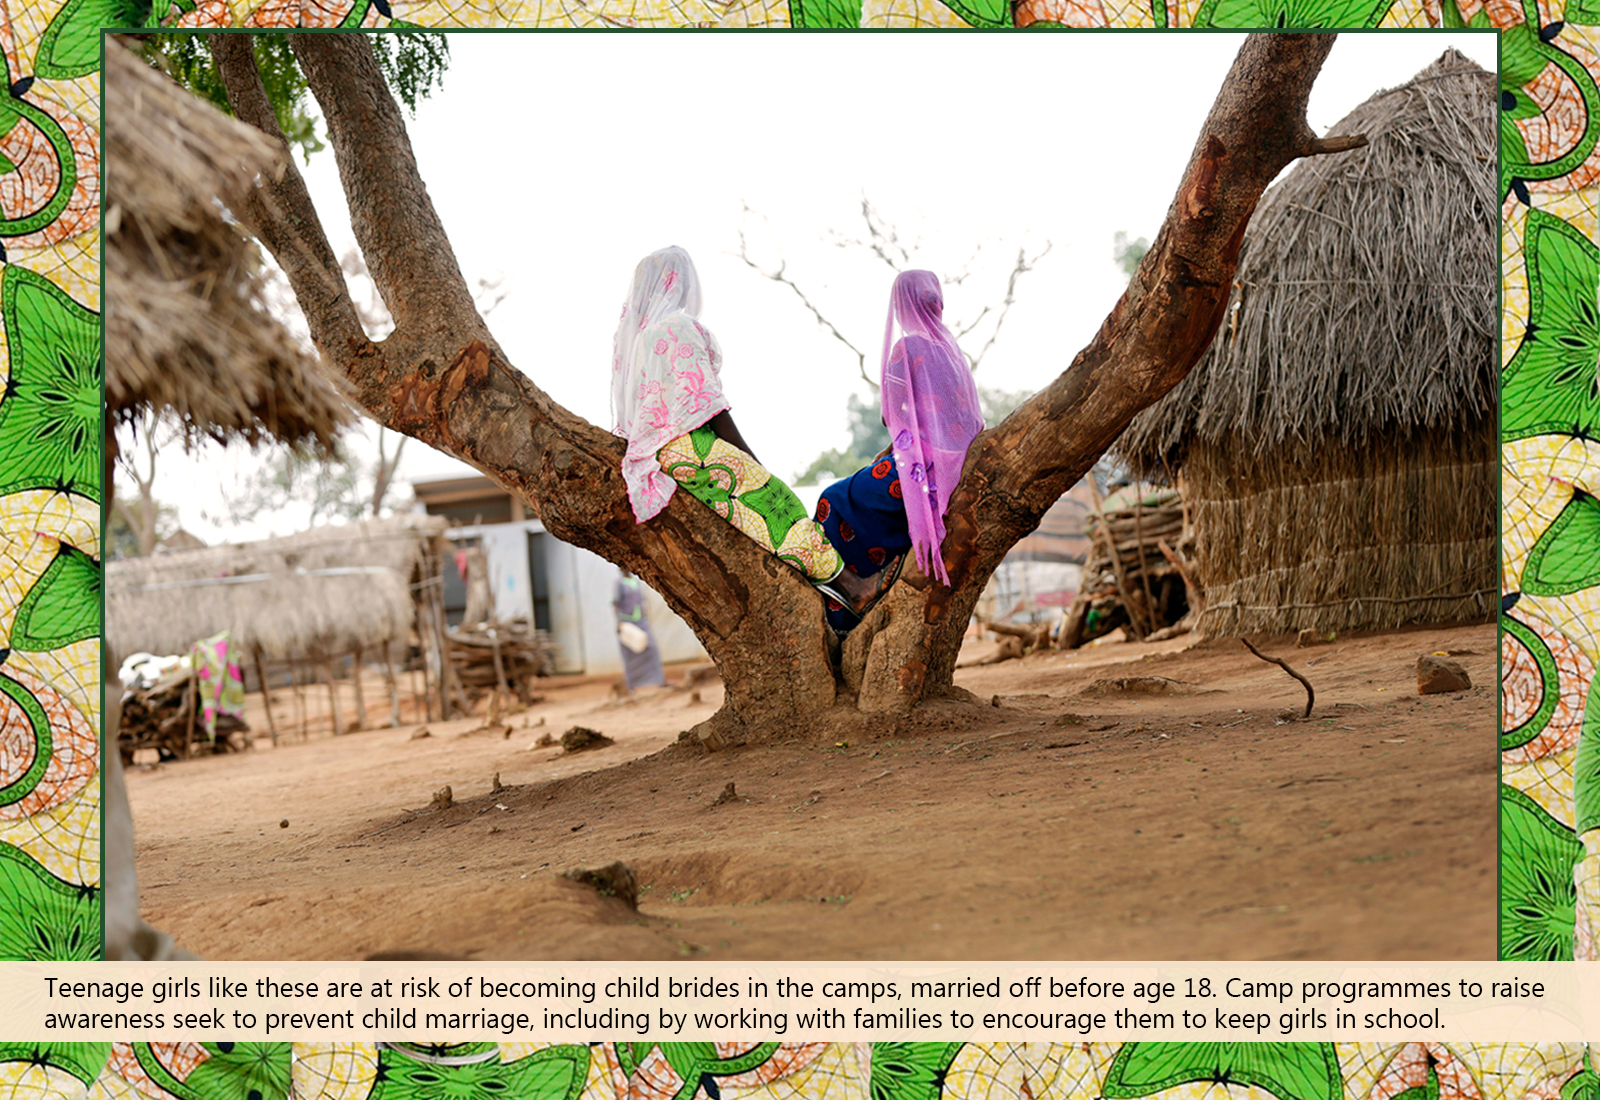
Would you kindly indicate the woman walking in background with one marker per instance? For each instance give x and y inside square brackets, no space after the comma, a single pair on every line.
[641,657]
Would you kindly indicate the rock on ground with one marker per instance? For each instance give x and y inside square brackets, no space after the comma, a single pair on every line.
[1437,674]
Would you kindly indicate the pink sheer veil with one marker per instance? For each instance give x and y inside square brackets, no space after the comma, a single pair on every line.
[930,404]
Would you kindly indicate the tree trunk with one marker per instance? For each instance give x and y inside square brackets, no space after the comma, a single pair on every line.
[383,471]
[192,697]
[441,378]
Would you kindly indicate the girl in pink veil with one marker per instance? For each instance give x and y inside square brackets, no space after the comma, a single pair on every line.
[930,406]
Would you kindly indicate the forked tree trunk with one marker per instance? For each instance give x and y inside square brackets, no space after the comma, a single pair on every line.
[441,378]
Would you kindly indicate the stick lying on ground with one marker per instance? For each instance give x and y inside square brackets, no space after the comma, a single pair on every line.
[1281,663]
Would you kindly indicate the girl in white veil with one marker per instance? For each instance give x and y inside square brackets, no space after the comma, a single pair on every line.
[667,402]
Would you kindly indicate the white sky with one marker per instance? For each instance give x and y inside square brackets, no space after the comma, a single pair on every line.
[558,160]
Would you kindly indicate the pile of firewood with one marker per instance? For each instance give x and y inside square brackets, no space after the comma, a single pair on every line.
[162,718]
[501,656]
[1140,572]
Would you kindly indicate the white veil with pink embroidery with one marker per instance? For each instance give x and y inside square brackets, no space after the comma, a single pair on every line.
[664,380]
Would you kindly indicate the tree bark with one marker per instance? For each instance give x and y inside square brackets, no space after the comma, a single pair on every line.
[441,378]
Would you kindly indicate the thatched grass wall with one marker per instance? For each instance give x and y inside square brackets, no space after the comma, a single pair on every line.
[1310,540]
[1337,438]
[320,593]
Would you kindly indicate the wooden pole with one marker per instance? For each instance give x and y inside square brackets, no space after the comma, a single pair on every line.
[194,706]
[419,606]
[1183,502]
[450,693]
[1071,635]
[393,686]
[266,693]
[1144,565]
[440,643]
[361,701]
[1191,582]
[433,642]
[333,695]
[458,695]
[499,669]
[1103,529]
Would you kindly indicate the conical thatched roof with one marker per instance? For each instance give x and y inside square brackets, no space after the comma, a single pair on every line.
[183,327]
[325,590]
[1365,300]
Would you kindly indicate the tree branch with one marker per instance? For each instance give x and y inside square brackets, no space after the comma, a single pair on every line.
[393,218]
[1170,311]
[281,214]
[1021,268]
[1338,144]
[1311,694]
[778,276]
[883,239]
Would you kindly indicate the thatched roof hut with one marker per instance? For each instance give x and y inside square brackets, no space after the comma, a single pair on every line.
[185,333]
[1337,441]
[323,592]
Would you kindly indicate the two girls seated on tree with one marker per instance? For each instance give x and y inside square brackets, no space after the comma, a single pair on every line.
[667,400]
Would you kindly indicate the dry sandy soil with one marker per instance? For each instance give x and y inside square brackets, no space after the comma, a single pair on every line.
[1062,817]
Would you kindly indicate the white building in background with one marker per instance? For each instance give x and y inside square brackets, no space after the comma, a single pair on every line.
[559,587]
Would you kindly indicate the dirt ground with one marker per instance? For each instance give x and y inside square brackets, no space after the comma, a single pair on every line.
[1063,816]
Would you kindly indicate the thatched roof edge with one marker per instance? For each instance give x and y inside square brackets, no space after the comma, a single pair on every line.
[185,330]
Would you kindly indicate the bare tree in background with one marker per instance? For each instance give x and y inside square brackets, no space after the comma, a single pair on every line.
[143,515]
[883,240]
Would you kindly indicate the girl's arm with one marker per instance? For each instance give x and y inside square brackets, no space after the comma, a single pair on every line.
[728,432]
